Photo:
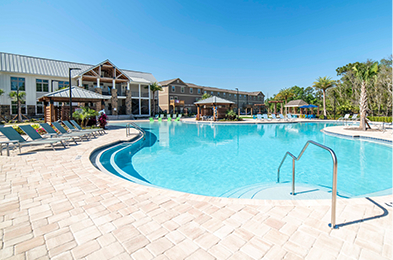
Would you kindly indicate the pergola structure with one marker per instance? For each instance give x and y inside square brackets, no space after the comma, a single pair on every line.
[275,105]
[217,104]
[80,95]
[259,106]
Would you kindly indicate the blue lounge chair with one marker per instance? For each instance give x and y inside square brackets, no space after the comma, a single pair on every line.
[64,131]
[73,129]
[14,136]
[32,133]
[52,132]
[99,130]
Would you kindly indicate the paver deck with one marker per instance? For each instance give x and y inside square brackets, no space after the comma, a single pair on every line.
[56,205]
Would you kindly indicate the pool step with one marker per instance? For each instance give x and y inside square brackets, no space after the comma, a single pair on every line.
[281,191]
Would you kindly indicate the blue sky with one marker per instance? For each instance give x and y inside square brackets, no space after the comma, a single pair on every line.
[251,45]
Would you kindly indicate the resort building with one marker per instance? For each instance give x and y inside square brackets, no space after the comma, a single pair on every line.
[128,90]
[178,96]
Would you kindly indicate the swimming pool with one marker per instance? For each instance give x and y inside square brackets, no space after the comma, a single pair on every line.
[215,159]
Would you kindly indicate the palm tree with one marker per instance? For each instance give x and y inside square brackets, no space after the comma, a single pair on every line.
[154,87]
[205,96]
[285,93]
[84,114]
[364,73]
[18,96]
[324,83]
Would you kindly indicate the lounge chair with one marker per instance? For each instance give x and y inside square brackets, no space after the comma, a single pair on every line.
[32,133]
[274,117]
[265,117]
[344,118]
[282,117]
[354,117]
[174,116]
[73,129]
[63,131]
[290,117]
[14,136]
[156,116]
[254,117]
[52,132]
[99,130]
[161,116]
[259,117]
[179,116]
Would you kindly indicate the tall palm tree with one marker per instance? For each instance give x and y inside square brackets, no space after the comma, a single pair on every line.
[154,87]
[285,93]
[324,83]
[19,97]
[364,73]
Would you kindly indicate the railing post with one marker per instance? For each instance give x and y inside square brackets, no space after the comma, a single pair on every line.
[293,176]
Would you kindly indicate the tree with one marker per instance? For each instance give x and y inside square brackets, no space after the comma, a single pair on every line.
[364,73]
[84,114]
[285,94]
[205,96]
[18,97]
[154,87]
[324,84]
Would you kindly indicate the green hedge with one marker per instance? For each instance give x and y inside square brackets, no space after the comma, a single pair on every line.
[386,119]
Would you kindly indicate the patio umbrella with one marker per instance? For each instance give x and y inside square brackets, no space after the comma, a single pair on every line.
[308,106]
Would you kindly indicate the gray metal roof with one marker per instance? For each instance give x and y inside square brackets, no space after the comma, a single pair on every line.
[76,93]
[40,66]
[296,103]
[213,100]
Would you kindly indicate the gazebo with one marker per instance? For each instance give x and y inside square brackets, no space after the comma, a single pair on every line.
[294,104]
[301,104]
[218,109]
[52,113]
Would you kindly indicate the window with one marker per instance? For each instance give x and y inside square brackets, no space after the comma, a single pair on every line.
[223,94]
[63,84]
[234,95]
[199,91]
[218,93]
[42,85]
[40,107]
[171,97]
[211,93]
[191,90]
[17,83]
[205,92]
[86,86]
[240,96]
[182,89]
[15,107]
[173,88]
[230,95]
[176,98]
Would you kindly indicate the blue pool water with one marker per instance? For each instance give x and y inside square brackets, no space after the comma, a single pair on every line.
[213,159]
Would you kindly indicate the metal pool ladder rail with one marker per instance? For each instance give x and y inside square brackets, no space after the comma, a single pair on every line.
[334,186]
[133,125]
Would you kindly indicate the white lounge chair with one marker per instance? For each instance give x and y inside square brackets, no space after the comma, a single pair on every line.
[259,117]
[282,117]
[344,118]
[274,117]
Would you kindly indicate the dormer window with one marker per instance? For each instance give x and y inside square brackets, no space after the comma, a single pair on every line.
[173,88]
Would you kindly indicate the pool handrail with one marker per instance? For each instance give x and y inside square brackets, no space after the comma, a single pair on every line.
[334,186]
[137,127]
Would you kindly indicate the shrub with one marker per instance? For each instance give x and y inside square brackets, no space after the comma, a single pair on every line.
[17,128]
[39,130]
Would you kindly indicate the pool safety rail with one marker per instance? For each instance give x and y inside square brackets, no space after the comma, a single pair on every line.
[334,186]
[137,127]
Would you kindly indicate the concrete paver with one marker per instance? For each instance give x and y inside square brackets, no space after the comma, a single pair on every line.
[57,205]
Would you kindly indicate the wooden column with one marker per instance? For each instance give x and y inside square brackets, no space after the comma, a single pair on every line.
[198,116]
[275,108]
